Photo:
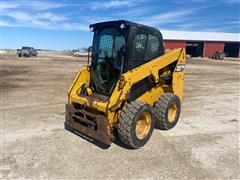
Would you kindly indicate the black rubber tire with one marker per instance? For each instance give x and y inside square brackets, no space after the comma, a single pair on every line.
[127,124]
[161,111]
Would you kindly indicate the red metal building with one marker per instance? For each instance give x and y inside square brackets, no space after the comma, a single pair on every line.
[171,44]
[211,47]
[203,44]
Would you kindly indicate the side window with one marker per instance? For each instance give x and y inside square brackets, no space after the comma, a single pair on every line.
[152,47]
[139,46]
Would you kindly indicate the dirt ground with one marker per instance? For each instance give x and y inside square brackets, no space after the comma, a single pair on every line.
[34,144]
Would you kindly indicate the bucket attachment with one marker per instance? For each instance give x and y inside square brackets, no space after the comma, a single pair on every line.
[87,123]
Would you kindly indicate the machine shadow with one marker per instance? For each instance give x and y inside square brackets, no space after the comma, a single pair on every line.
[87,138]
[122,145]
[95,142]
[119,143]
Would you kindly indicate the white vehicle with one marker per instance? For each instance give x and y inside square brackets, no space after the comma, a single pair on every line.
[79,53]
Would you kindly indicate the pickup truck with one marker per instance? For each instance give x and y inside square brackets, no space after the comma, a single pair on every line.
[26,52]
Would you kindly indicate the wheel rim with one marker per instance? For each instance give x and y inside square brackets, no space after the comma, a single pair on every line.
[143,125]
[172,112]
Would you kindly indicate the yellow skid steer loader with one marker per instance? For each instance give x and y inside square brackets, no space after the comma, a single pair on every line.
[131,86]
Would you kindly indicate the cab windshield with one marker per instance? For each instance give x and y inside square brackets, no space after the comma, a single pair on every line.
[26,48]
[107,59]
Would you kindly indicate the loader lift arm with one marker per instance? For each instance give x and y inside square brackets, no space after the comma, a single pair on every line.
[151,68]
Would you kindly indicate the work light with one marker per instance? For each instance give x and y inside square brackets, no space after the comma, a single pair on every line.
[91,28]
[122,26]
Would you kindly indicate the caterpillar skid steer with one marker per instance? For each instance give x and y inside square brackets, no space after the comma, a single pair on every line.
[131,86]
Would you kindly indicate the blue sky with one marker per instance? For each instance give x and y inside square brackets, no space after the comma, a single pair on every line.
[60,25]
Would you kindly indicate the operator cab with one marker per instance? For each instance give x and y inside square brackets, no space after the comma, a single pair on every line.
[119,46]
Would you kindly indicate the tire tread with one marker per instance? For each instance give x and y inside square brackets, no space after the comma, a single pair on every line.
[160,110]
[125,122]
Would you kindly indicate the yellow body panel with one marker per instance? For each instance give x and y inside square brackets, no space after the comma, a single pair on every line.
[83,76]
[112,107]
[151,96]
[178,77]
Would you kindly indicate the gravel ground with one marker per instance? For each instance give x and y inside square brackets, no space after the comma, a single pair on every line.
[34,144]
